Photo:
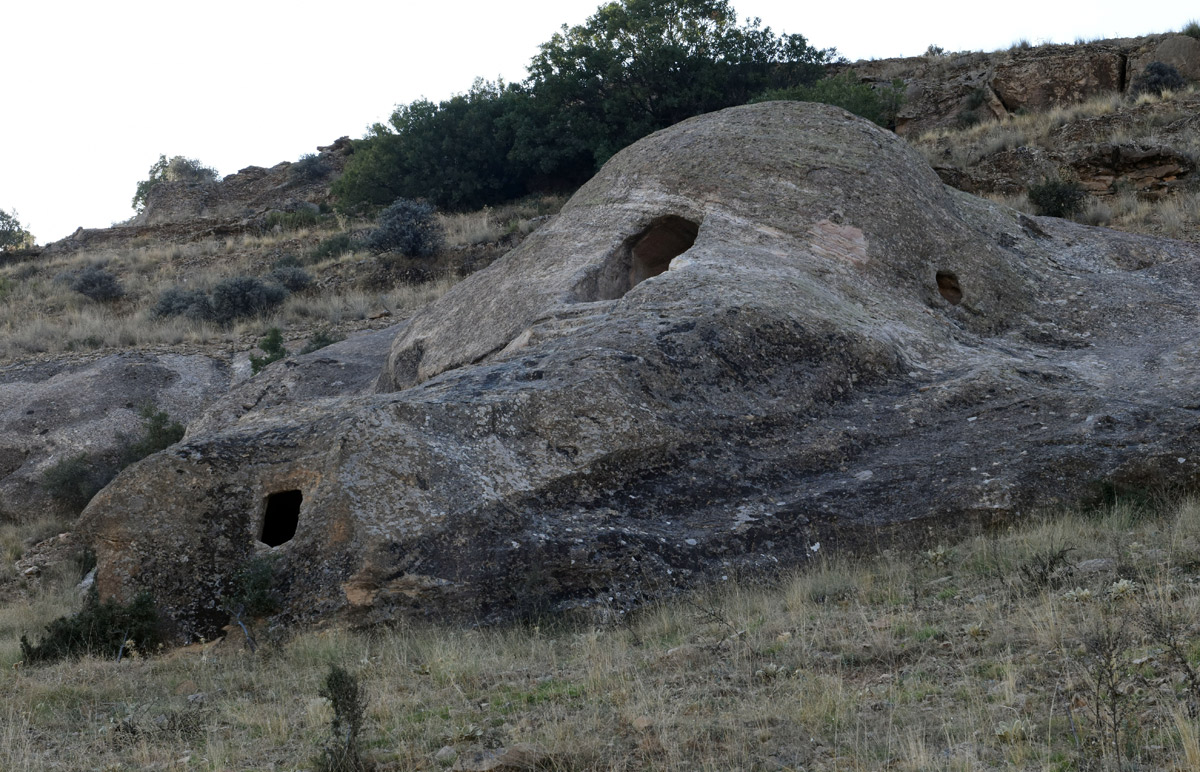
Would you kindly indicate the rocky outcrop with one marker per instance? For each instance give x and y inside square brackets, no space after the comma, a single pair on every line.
[285,187]
[54,410]
[754,337]
[951,89]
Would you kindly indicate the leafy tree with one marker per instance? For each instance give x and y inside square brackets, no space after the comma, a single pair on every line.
[634,67]
[12,234]
[641,65]
[845,91]
[455,153]
[177,169]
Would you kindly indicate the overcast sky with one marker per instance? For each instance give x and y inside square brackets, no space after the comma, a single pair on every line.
[95,91]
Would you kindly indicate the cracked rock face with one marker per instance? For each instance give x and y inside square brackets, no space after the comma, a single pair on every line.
[756,332]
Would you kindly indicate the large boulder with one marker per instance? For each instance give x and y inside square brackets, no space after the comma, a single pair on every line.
[753,337]
[51,411]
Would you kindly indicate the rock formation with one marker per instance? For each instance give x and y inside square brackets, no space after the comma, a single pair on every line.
[252,191]
[53,410]
[948,89]
[753,337]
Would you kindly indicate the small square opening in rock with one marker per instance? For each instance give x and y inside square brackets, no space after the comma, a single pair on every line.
[281,517]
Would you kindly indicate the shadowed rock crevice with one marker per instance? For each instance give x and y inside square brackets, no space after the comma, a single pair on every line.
[645,254]
[947,284]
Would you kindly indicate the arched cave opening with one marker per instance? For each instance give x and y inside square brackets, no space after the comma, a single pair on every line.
[947,284]
[654,248]
[281,517]
[645,254]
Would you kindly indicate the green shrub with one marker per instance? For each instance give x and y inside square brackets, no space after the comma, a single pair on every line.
[308,169]
[101,629]
[98,284]
[341,752]
[12,234]
[334,246]
[272,346]
[1057,197]
[252,590]
[320,340]
[1157,78]
[879,106]
[241,296]
[972,111]
[1191,29]
[408,228]
[74,480]
[191,303]
[177,169]
[159,432]
[293,278]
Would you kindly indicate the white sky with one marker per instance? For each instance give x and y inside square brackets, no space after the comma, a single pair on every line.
[94,91]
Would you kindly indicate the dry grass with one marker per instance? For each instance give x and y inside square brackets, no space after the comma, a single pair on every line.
[969,656]
[41,315]
[489,225]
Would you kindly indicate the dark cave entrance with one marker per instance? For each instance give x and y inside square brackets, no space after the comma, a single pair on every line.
[281,517]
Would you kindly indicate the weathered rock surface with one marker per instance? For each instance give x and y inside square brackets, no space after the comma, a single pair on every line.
[972,86]
[53,410]
[753,337]
[253,190]
[349,367]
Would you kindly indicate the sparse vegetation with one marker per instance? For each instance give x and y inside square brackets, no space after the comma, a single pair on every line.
[1157,78]
[407,228]
[342,752]
[242,296]
[179,301]
[291,221]
[293,278]
[946,659]
[75,479]
[177,169]
[308,169]
[272,348]
[1057,197]
[98,284]
[1191,29]
[319,340]
[253,590]
[108,629]
[333,247]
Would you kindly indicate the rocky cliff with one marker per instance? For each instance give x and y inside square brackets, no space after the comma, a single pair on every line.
[755,336]
[948,89]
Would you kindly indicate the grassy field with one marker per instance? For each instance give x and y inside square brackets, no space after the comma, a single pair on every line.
[1066,643]
[40,313]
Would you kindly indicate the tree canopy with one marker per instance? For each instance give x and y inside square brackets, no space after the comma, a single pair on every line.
[12,234]
[632,68]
